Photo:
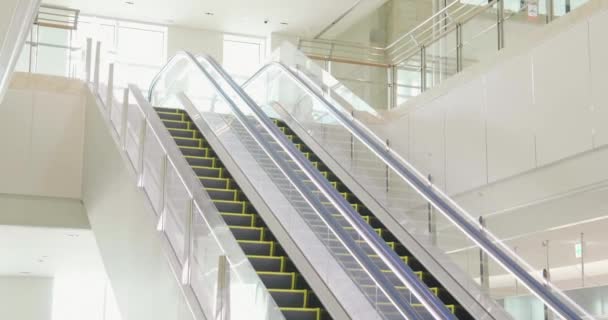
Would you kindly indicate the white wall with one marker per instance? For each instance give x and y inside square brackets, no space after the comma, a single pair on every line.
[520,138]
[195,41]
[26,298]
[130,246]
[41,137]
[535,103]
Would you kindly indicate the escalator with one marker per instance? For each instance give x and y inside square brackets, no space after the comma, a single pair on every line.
[369,217]
[282,279]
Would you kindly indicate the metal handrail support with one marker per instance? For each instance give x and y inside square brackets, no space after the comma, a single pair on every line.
[449,209]
[365,230]
[404,273]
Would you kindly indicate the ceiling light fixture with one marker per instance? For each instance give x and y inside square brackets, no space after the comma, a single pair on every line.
[284,23]
[130,2]
[209,13]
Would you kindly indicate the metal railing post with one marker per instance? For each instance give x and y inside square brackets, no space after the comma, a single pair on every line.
[88,58]
[187,267]
[123,119]
[110,92]
[142,139]
[583,259]
[432,220]
[392,87]
[459,47]
[97,63]
[422,69]
[547,311]
[500,23]
[387,169]
[162,216]
[222,306]
[484,270]
[550,10]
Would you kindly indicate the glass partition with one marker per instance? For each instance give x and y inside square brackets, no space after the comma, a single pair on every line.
[329,118]
[198,238]
[328,215]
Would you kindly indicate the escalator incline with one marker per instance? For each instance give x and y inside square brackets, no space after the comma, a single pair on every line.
[382,231]
[290,291]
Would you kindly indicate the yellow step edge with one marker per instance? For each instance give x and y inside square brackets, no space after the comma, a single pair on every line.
[214,160]
[305,292]
[293,275]
[234,191]
[272,244]
[251,216]
[281,258]
[242,203]
[262,231]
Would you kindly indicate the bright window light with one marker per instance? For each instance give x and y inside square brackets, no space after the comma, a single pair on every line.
[242,55]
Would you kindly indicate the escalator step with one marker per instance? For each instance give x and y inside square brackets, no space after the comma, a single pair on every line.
[171,116]
[168,110]
[195,151]
[239,220]
[182,133]
[278,280]
[188,142]
[230,206]
[248,233]
[208,172]
[215,183]
[289,298]
[258,248]
[222,194]
[301,313]
[201,161]
[172,124]
[267,263]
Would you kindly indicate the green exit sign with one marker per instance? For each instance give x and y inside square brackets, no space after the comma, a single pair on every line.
[578,250]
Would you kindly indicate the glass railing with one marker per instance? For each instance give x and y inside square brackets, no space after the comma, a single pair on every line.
[390,72]
[420,208]
[390,286]
[216,276]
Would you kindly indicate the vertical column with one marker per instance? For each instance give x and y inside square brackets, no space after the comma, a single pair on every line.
[583,259]
[188,243]
[110,92]
[550,10]
[97,65]
[123,119]
[222,307]
[484,270]
[392,86]
[432,221]
[89,57]
[422,69]
[459,40]
[500,23]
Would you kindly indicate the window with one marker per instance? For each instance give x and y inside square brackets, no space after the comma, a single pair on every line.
[138,50]
[242,55]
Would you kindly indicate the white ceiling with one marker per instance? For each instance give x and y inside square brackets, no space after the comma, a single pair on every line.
[304,17]
[31,251]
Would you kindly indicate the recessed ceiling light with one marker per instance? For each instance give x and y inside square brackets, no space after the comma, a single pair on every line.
[209,13]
